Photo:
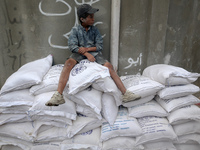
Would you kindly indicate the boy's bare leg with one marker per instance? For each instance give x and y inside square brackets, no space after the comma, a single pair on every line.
[127,95]
[57,97]
[115,77]
[69,64]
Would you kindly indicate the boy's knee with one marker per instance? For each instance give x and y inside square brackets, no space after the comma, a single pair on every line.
[70,62]
[109,66]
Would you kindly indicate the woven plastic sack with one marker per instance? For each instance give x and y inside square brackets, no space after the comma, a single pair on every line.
[86,140]
[187,146]
[84,74]
[49,82]
[121,143]
[173,104]
[67,109]
[187,128]
[27,75]
[138,102]
[123,126]
[87,111]
[163,145]
[109,108]
[141,85]
[193,138]
[87,97]
[184,114]
[155,129]
[17,98]
[151,108]
[9,143]
[178,91]
[170,75]
[107,85]
[21,131]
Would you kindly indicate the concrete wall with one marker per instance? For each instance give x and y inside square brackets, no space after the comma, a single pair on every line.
[159,31]
[151,32]
[32,29]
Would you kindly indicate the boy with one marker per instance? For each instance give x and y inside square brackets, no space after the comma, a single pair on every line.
[86,42]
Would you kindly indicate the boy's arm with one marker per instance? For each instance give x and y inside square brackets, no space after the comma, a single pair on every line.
[89,56]
[73,41]
[83,50]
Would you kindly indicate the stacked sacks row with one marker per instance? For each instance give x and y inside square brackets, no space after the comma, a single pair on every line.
[93,116]
[178,100]
[156,131]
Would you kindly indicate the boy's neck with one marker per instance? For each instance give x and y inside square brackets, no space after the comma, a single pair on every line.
[85,26]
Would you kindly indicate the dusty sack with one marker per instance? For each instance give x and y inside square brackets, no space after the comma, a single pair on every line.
[84,74]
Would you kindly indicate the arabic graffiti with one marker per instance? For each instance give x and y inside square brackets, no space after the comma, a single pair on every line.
[56,14]
[13,39]
[135,63]
[67,12]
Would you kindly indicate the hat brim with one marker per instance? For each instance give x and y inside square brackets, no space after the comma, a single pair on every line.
[92,11]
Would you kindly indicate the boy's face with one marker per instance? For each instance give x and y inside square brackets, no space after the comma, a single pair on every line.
[89,21]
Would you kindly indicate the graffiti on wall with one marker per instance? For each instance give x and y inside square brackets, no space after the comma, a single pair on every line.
[135,63]
[13,39]
[67,12]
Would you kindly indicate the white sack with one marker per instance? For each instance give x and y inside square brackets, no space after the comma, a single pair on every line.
[14,144]
[107,85]
[21,131]
[88,97]
[121,143]
[84,74]
[184,114]
[123,126]
[151,108]
[187,128]
[49,82]
[164,145]
[141,85]
[13,118]
[49,118]
[40,126]
[87,111]
[169,75]
[51,134]
[173,104]
[193,138]
[20,109]
[17,98]
[87,140]
[178,91]
[187,146]
[155,129]
[82,124]
[67,109]
[109,108]
[5,146]
[138,102]
[46,146]
[27,75]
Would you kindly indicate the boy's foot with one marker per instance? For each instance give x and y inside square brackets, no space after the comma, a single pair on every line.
[129,96]
[55,100]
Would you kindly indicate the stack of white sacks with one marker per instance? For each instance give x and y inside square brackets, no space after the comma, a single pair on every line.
[178,100]
[94,116]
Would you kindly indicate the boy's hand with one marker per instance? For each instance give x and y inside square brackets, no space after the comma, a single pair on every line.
[82,50]
[90,57]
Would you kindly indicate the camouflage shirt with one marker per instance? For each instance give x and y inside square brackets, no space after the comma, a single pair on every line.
[79,37]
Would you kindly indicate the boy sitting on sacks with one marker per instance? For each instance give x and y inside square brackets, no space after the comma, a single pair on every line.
[85,42]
